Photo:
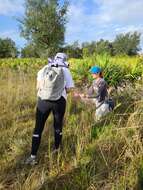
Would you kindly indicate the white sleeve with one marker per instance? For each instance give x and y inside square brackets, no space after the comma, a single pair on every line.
[68,79]
[40,74]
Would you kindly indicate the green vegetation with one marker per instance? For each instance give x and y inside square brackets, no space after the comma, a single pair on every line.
[123,44]
[103,155]
[107,155]
[43,25]
[116,69]
[8,48]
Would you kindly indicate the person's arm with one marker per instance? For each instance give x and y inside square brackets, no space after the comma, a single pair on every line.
[96,90]
[69,84]
[90,92]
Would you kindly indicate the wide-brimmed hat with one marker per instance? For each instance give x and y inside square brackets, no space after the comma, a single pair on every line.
[62,56]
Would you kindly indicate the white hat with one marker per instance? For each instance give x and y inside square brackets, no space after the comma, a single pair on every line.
[62,56]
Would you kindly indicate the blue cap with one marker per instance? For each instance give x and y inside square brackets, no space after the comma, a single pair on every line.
[95,69]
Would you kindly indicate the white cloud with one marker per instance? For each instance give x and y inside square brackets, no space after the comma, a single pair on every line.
[14,35]
[11,7]
[122,11]
[81,26]
[105,19]
[129,28]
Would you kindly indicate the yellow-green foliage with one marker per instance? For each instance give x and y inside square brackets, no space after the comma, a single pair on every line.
[115,69]
[22,64]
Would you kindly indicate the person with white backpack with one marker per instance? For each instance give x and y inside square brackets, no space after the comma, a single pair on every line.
[54,81]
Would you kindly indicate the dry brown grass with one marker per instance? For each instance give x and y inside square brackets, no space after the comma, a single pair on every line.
[107,155]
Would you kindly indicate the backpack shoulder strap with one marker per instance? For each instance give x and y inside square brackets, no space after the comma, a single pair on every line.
[57,65]
[63,66]
[100,105]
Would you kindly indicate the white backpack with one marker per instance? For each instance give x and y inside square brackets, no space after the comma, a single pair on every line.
[52,83]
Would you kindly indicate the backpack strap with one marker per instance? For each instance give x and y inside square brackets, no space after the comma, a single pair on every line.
[63,66]
[60,66]
[100,105]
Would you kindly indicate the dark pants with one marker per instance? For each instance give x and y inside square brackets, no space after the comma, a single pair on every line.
[44,108]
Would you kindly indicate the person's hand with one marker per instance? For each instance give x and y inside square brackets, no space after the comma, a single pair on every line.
[83,95]
[76,94]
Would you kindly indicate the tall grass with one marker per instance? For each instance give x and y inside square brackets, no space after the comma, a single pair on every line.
[105,155]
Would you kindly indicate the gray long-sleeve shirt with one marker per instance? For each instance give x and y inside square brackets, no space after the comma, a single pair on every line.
[98,90]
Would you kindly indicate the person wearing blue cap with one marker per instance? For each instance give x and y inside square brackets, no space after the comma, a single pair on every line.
[97,92]
[98,89]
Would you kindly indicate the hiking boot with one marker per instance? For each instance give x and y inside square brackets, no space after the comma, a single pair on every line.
[31,161]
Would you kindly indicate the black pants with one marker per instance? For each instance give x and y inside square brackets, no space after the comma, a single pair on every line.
[44,108]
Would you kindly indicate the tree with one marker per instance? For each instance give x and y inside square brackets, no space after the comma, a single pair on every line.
[99,47]
[8,48]
[44,24]
[127,44]
[73,50]
[104,46]
[30,51]
[88,48]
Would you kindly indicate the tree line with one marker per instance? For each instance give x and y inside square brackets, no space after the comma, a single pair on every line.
[43,26]
[123,44]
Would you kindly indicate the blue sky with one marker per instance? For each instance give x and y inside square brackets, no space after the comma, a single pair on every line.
[88,20]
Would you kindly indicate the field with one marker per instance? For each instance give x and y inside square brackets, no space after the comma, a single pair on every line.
[104,155]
